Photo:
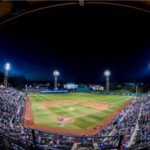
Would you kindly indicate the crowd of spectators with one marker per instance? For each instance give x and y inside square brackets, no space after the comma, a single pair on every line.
[12,107]
[123,124]
[35,90]
[143,131]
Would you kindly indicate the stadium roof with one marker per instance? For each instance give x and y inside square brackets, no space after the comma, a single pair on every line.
[12,9]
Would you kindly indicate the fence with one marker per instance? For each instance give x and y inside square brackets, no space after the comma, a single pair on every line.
[9,142]
[82,90]
[125,94]
[86,90]
[53,91]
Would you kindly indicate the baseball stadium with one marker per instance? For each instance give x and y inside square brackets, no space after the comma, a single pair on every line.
[59,118]
[79,120]
[81,112]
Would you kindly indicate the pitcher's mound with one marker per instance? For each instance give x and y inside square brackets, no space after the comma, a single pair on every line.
[71,109]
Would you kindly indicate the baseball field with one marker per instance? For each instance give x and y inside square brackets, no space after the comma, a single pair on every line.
[80,111]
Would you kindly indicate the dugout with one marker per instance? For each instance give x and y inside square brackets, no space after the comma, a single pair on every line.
[82,90]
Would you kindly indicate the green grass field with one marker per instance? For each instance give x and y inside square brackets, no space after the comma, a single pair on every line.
[46,118]
[62,110]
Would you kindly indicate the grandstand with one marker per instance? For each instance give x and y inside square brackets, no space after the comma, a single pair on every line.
[129,130]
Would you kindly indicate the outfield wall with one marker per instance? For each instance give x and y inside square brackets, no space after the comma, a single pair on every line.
[109,93]
[53,91]
[85,90]
[82,90]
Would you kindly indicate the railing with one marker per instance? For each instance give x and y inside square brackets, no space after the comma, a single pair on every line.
[9,142]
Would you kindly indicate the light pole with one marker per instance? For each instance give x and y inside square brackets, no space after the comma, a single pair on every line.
[7,67]
[136,89]
[56,73]
[107,73]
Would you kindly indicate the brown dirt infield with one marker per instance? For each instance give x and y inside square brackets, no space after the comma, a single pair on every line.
[29,120]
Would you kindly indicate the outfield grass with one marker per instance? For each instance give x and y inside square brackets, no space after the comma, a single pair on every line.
[45,118]
[62,110]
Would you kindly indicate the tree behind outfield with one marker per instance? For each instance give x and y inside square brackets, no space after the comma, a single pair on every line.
[134,86]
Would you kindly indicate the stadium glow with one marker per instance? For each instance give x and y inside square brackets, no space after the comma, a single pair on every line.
[107,73]
[56,73]
[7,67]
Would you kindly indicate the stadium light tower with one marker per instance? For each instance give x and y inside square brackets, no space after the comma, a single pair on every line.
[107,73]
[56,73]
[7,67]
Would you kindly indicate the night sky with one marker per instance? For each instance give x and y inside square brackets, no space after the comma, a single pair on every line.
[80,42]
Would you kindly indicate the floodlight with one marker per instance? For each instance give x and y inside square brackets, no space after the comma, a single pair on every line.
[56,73]
[107,73]
[7,67]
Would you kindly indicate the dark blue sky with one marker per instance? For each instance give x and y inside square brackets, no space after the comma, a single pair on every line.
[80,42]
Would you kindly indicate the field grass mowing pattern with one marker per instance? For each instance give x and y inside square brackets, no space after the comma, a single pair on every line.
[62,110]
[45,118]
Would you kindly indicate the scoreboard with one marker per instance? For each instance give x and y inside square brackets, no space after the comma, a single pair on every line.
[70,86]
